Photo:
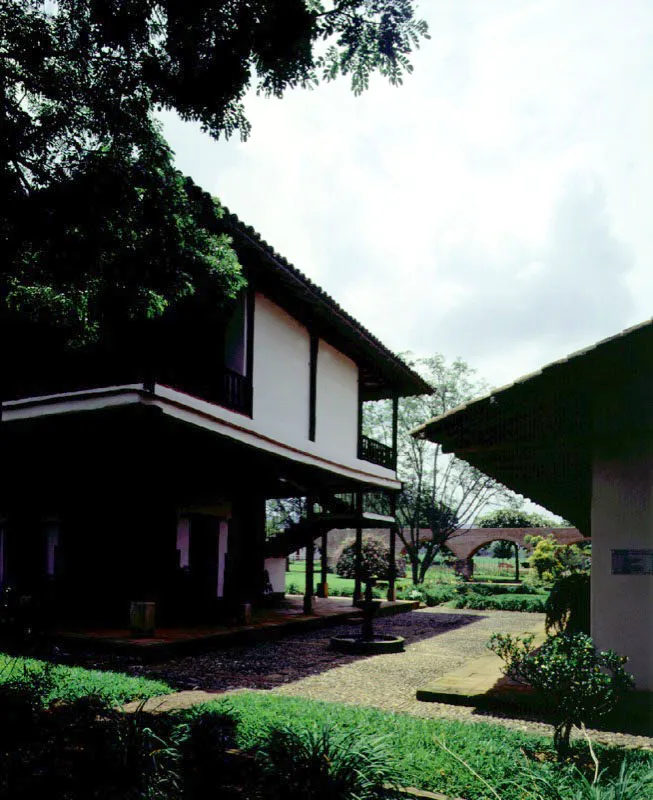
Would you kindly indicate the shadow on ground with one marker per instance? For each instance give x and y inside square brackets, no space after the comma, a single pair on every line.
[267,665]
[633,716]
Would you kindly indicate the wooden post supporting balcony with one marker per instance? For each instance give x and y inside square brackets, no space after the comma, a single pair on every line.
[358,557]
[395,430]
[392,561]
[323,589]
[392,565]
[310,555]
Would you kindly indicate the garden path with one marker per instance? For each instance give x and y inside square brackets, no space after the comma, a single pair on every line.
[438,641]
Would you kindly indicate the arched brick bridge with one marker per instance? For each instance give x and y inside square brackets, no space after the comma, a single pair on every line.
[464,543]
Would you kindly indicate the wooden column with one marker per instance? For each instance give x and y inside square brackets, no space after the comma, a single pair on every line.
[392,565]
[310,555]
[312,396]
[358,557]
[323,590]
[395,429]
[244,582]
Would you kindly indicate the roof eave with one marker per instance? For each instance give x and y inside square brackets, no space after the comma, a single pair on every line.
[402,380]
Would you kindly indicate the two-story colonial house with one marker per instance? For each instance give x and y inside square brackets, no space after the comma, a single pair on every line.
[142,473]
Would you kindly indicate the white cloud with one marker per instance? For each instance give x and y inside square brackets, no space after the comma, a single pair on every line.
[495,207]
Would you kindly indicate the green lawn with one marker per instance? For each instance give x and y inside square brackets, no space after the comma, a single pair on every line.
[337,586]
[485,567]
[60,682]
[494,752]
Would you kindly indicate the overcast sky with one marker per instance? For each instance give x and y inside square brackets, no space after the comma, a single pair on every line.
[496,207]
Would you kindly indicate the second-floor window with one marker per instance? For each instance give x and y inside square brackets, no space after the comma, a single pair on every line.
[235,337]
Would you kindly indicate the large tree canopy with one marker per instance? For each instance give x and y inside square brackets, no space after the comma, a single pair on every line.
[99,224]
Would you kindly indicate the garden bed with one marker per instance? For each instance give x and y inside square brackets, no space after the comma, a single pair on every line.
[494,752]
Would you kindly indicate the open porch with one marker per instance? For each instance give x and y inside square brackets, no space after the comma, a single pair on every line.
[265,624]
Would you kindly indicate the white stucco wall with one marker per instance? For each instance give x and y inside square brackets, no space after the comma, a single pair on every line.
[276,568]
[622,518]
[281,374]
[336,429]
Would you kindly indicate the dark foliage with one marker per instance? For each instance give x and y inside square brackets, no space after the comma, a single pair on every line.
[88,749]
[568,606]
[375,562]
[97,226]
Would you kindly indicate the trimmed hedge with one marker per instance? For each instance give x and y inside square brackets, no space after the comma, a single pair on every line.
[506,602]
[490,589]
[429,595]
[497,596]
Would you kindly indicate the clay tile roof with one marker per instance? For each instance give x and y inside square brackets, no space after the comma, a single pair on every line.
[358,336]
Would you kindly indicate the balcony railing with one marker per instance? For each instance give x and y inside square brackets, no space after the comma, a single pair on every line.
[224,388]
[378,501]
[376,452]
[235,392]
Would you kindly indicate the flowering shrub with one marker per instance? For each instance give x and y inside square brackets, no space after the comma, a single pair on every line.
[375,561]
[575,681]
[553,560]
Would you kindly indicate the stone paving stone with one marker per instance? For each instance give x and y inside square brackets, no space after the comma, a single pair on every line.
[439,641]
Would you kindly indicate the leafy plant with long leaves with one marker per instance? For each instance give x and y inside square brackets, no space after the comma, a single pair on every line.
[322,763]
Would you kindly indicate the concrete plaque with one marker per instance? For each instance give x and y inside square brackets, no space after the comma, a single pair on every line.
[632,562]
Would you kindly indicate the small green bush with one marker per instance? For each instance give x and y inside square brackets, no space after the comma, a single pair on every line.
[516,602]
[494,589]
[375,561]
[436,595]
[429,594]
[576,682]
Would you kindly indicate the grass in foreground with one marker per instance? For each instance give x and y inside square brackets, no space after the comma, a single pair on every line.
[64,683]
[493,751]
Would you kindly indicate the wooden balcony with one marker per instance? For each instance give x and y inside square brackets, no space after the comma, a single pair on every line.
[376,452]
[236,392]
[224,388]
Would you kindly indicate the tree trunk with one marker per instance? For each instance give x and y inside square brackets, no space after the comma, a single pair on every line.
[561,736]
[414,565]
[516,563]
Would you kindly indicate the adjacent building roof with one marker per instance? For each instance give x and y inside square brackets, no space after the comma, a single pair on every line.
[537,435]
